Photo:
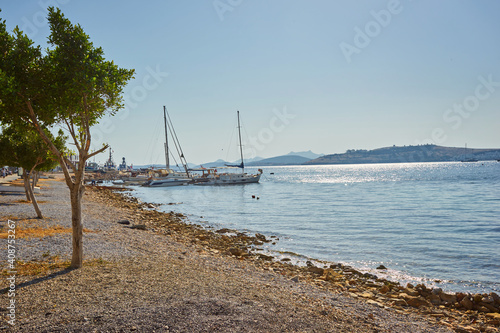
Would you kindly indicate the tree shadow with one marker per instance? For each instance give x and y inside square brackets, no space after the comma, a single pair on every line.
[6,204]
[8,193]
[39,280]
[21,219]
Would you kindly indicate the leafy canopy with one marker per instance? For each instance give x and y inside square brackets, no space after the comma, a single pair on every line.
[25,148]
[70,84]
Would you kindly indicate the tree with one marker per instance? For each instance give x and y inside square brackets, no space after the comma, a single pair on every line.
[21,147]
[69,85]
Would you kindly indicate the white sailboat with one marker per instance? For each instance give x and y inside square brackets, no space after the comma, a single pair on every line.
[169,177]
[212,177]
[468,159]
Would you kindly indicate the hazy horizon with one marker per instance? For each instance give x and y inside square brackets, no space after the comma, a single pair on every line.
[322,76]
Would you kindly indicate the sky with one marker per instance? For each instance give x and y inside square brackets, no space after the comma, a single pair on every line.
[325,76]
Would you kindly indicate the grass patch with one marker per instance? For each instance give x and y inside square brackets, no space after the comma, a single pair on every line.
[23,201]
[10,217]
[34,268]
[39,232]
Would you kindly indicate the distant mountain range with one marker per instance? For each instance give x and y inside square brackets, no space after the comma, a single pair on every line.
[307,154]
[408,154]
[292,158]
[280,160]
[394,154]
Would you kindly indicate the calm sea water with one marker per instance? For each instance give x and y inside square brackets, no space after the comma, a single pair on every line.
[432,223]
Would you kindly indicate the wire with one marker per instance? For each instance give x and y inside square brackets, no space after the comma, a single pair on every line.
[153,142]
[230,143]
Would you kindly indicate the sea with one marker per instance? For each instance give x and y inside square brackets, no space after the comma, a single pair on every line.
[431,223]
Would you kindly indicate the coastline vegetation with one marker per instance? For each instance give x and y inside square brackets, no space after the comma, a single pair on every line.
[69,85]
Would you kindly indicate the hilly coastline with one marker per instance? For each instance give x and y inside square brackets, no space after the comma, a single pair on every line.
[281,160]
[394,154]
[408,154]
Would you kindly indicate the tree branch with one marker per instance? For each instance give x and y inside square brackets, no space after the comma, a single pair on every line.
[98,151]
[71,130]
[50,144]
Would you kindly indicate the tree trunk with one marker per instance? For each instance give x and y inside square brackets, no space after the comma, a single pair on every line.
[31,195]
[26,185]
[76,220]
[35,177]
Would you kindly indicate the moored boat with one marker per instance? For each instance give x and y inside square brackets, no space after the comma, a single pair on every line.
[212,177]
[168,177]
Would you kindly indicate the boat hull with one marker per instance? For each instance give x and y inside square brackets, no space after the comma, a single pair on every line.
[230,179]
[167,182]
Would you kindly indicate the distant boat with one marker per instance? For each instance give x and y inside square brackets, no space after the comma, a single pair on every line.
[468,159]
[210,176]
[92,167]
[110,164]
[169,177]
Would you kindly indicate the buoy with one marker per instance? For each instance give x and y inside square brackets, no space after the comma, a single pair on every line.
[272,173]
[253,196]
[258,198]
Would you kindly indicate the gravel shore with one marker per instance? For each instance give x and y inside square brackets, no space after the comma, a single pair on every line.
[153,276]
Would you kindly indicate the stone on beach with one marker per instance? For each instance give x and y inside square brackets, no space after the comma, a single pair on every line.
[316,270]
[448,298]
[414,301]
[466,303]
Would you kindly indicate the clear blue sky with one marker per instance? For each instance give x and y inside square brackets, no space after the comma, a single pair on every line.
[325,76]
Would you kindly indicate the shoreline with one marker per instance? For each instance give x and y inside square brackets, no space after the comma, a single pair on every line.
[234,248]
[300,259]
[436,236]
[415,296]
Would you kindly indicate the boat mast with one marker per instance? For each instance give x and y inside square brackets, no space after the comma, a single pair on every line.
[241,147]
[177,145]
[167,162]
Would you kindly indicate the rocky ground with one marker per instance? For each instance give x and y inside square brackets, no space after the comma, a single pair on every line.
[149,271]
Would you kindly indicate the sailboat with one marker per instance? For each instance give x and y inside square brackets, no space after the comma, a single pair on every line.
[212,177]
[468,159]
[169,177]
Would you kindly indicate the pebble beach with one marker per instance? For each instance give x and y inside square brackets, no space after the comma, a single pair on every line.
[149,271]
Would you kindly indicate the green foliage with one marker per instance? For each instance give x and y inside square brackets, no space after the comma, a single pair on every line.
[86,85]
[20,72]
[22,147]
[71,84]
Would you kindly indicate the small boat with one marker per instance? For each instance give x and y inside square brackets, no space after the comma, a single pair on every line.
[211,176]
[168,177]
[165,182]
[468,159]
